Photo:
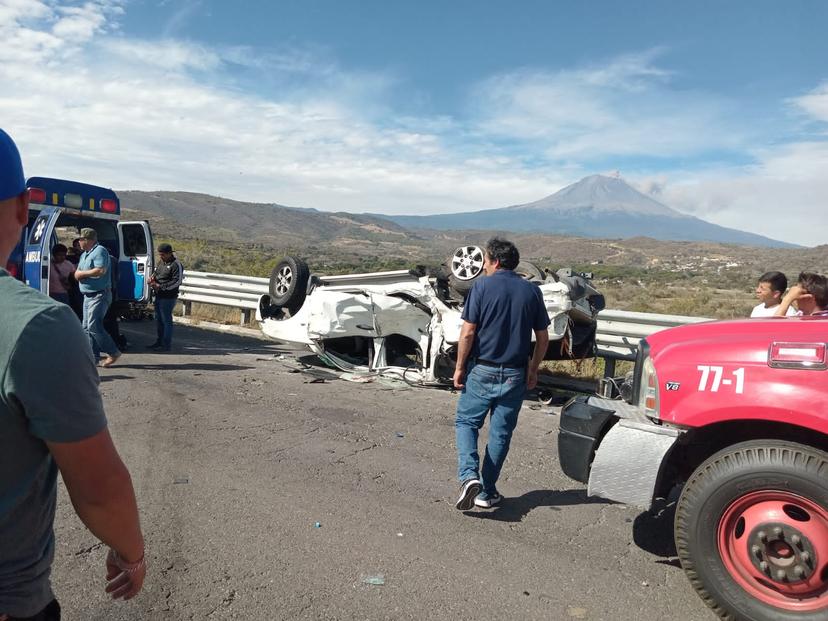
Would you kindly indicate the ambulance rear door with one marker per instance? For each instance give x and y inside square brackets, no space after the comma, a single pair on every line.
[37,252]
[135,265]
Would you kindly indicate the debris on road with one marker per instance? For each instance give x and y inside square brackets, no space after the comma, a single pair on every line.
[359,378]
[377,580]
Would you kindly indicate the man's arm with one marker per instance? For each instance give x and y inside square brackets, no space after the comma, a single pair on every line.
[90,273]
[541,344]
[101,491]
[93,272]
[464,347]
[794,293]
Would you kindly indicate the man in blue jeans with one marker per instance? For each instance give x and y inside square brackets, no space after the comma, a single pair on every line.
[493,368]
[165,281]
[95,283]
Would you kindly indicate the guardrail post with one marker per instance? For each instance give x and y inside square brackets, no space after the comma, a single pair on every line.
[186,308]
[246,316]
[609,367]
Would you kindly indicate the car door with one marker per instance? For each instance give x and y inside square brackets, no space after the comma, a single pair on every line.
[37,252]
[135,263]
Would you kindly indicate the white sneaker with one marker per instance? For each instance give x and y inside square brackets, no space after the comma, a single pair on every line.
[487,501]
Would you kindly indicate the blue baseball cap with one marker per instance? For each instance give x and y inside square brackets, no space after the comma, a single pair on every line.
[12,180]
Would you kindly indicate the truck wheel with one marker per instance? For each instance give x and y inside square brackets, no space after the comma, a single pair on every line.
[289,283]
[751,531]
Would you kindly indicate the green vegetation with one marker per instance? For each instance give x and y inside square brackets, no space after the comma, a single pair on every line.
[676,278]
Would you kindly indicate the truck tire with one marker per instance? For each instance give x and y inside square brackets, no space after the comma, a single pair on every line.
[751,531]
[289,283]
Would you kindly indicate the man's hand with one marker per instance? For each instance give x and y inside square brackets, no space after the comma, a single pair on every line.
[531,378]
[125,579]
[795,292]
[459,378]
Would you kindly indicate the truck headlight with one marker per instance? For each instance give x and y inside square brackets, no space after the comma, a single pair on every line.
[648,391]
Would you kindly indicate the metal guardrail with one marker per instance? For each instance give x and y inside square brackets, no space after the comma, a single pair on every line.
[241,292]
[618,331]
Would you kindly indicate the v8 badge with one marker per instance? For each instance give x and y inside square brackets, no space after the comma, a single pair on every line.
[672,385]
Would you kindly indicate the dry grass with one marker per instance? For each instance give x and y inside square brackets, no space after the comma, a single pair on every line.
[588,368]
[218,314]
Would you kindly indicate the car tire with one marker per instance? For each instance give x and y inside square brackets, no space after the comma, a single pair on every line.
[531,272]
[289,283]
[465,267]
[758,502]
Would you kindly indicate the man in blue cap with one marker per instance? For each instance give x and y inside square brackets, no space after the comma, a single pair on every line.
[52,418]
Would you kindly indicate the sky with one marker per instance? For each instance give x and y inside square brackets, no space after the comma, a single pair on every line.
[717,109]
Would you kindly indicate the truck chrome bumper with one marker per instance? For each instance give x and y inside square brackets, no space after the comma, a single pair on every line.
[614,448]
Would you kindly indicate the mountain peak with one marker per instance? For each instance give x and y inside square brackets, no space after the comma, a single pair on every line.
[600,193]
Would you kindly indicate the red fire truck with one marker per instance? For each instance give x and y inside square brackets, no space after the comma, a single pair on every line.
[734,414]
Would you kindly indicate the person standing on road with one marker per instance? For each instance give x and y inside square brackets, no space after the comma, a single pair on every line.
[165,281]
[95,281]
[493,368]
[52,418]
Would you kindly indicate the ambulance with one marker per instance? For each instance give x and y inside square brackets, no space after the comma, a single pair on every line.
[58,210]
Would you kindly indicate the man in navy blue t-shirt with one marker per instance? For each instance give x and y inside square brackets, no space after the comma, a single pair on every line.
[493,368]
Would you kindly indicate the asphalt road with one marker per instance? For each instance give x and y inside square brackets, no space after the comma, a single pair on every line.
[264,495]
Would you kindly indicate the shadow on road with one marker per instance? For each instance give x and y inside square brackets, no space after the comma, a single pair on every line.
[653,533]
[109,378]
[194,341]
[515,509]
[185,366]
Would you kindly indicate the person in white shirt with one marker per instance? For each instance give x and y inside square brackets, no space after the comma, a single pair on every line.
[769,292]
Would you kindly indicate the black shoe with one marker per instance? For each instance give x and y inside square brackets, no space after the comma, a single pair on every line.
[468,491]
[155,345]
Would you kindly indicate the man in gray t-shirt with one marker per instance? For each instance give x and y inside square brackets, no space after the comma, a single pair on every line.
[52,418]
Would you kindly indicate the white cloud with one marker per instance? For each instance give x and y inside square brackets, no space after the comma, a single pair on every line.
[92,104]
[139,114]
[782,195]
[80,23]
[168,55]
[815,103]
[624,107]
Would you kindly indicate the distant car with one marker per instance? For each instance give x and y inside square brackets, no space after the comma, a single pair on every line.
[407,323]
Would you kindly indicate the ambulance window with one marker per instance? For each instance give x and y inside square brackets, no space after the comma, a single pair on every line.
[135,242]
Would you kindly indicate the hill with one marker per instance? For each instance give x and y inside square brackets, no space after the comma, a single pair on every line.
[638,273]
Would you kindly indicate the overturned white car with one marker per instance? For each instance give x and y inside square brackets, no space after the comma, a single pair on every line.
[407,323]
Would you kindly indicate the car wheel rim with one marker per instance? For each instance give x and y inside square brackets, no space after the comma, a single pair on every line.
[467,262]
[774,544]
[283,280]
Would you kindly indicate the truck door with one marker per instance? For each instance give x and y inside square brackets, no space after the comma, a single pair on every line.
[37,252]
[135,264]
